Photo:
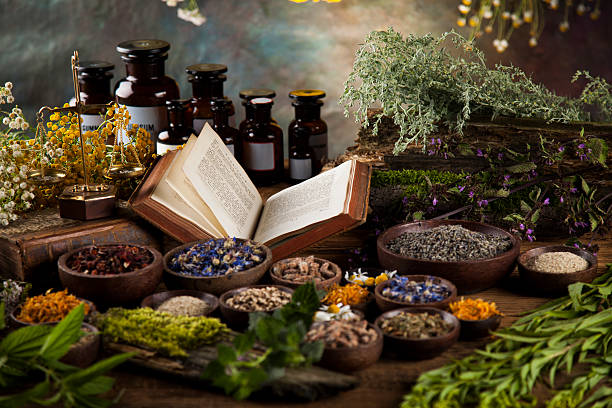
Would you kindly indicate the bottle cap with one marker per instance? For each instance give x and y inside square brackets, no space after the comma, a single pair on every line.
[204,71]
[261,101]
[248,94]
[88,69]
[134,50]
[306,96]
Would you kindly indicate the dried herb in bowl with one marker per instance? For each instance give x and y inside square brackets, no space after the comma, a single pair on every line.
[109,259]
[342,333]
[50,307]
[217,257]
[421,325]
[474,309]
[351,294]
[403,289]
[259,299]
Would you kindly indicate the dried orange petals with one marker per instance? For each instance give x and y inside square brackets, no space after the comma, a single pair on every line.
[351,294]
[50,307]
[474,309]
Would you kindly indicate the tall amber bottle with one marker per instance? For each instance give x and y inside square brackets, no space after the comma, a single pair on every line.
[179,126]
[262,144]
[207,83]
[146,88]
[95,88]
[307,103]
[221,109]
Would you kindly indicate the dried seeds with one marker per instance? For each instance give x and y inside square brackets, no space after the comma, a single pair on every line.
[342,333]
[259,299]
[422,325]
[557,262]
[302,270]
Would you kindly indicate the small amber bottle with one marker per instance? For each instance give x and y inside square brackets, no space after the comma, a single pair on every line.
[146,88]
[307,103]
[207,83]
[300,156]
[95,88]
[179,126]
[221,109]
[262,144]
[246,95]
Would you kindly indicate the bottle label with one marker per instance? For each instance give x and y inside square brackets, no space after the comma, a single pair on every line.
[300,169]
[153,119]
[230,147]
[162,148]
[198,124]
[319,147]
[259,156]
[91,122]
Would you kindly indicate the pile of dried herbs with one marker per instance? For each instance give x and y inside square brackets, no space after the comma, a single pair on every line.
[566,332]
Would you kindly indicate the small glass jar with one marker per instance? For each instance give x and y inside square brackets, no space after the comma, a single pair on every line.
[146,88]
[246,95]
[221,108]
[95,88]
[179,126]
[207,83]
[307,103]
[301,156]
[262,144]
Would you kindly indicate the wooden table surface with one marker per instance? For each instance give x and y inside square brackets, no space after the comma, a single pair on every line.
[381,385]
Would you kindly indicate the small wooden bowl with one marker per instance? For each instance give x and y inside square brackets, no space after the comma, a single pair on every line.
[214,284]
[15,313]
[475,329]
[348,359]
[554,283]
[155,300]
[384,303]
[239,319]
[111,290]
[321,285]
[84,354]
[419,349]
[468,276]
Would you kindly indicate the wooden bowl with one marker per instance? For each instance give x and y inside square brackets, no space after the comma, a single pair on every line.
[419,349]
[15,313]
[554,283]
[111,290]
[214,284]
[384,303]
[155,300]
[239,319]
[469,276]
[320,285]
[84,354]
[475,329]
[349,359]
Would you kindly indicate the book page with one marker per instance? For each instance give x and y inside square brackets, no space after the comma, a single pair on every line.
[314,200]
[223,185]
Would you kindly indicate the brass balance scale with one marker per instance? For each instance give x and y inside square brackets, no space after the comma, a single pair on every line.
[82,201]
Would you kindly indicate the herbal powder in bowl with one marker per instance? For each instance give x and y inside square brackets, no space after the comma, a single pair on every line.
[555,272]
[482,256]
[191,297]
[184,306]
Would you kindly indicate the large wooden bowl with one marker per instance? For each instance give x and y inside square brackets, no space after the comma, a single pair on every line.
[325,284]
[419,349]
[384,303]
[84,354]
[239,319]
[555,283]
[469,276]
[111,290]
[349,359]
[214,284]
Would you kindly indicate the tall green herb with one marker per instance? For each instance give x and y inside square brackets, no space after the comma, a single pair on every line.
[557,336]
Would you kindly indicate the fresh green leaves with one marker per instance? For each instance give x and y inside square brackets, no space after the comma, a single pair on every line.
[38,348]
[240,371]
[558,335]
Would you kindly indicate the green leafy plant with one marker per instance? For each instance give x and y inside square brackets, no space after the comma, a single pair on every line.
[33,352]
[240,371]
[559,335]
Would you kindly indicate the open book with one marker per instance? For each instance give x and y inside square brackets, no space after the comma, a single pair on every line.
[202,191]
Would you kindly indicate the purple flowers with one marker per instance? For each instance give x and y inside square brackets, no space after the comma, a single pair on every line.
[561,149]
[581,146]
[521,226]
[573,190]
[529,231]
[546,201]
[461,188]
[561,199]
[483,203]
[471,195]
[479,153]
[435,201]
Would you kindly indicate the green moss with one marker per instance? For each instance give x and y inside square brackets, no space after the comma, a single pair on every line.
[415,181]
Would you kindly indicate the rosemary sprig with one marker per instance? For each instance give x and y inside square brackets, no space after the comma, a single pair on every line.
[558,335]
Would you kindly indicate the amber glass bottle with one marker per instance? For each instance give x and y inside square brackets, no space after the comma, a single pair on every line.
[307,103]
[95,88]
[207,83]
[246,95]
[221,109]
[300,156]
[262,144]
[179,126]
[146,88]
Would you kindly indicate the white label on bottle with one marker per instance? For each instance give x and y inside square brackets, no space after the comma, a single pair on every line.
[259,156]
[198,124]
[230,147]
[300,169]
[91,122]
[153,119]
[319,146]
[162,148]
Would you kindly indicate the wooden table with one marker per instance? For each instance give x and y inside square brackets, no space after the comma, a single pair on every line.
[382,385]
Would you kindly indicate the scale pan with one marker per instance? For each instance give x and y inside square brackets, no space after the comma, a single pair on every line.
[124,171]
[46,176]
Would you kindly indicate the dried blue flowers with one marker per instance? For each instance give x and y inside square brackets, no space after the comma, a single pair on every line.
[217,257]
[403,289]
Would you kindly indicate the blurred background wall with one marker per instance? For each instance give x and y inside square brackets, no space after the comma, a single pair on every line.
[265,43]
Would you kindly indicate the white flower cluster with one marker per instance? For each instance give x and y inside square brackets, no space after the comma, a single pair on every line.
[172,3]
[193,16]
[6,96]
